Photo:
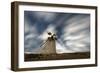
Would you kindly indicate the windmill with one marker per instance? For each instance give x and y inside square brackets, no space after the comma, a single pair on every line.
[49,47]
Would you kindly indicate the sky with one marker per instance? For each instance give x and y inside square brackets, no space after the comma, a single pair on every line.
[72,31]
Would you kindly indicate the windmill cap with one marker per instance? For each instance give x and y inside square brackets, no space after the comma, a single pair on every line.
[49,33]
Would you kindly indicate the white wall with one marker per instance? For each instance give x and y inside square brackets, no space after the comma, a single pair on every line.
[5,41]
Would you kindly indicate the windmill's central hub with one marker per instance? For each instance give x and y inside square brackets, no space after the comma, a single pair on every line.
[52,36]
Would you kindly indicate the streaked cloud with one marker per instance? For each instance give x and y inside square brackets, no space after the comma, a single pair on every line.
[72,30]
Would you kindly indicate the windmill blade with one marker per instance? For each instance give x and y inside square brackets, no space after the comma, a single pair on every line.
[43,43]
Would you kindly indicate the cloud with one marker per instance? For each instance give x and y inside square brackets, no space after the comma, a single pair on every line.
[50,28]
[46,16]
[76,34]
[73,29]
[78,24]
[60,48]
[31,40]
